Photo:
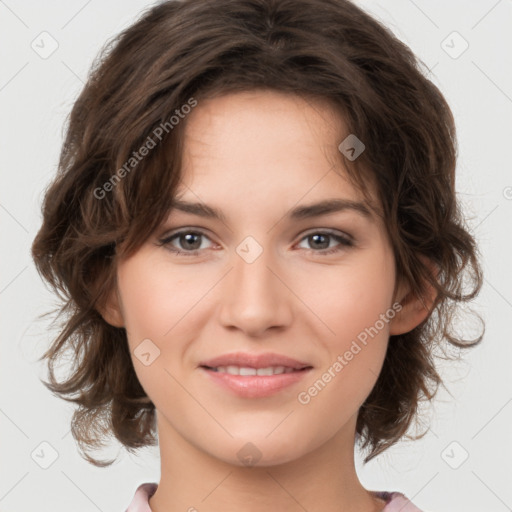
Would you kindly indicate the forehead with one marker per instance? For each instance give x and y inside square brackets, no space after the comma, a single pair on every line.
[261,120]
[262,146]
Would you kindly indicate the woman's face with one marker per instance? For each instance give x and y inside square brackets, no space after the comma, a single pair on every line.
[314,287]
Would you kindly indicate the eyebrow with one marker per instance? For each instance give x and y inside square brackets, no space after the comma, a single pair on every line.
[298,213]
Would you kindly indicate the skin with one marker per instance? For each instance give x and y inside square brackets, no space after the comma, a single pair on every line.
[255,156]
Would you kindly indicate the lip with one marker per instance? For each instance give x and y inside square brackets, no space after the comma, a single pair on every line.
[255,386]
[255,360]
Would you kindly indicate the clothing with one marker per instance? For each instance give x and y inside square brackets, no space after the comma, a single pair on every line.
[395,501]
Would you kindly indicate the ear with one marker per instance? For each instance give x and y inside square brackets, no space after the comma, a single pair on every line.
[414,309]
[111,310]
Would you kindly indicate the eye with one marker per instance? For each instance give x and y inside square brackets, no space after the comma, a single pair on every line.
[190,242]
[187,239]
[320,240]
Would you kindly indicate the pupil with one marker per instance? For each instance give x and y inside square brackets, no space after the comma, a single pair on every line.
[317,237]
[189,240]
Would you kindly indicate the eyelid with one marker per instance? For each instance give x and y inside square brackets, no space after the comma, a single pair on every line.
[181,230]
[167,238]
[328,231]
[344,239]
[205,232]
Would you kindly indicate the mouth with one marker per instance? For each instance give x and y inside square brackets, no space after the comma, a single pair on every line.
[253,375]
[247,382]
[247,371]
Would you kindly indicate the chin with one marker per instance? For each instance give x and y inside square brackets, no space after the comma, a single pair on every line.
[259,451]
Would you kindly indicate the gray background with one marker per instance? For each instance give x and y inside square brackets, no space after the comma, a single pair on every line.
[37,93]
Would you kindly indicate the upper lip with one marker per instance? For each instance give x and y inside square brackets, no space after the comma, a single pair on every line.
[264,360]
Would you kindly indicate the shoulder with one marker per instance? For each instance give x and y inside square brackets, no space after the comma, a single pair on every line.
[140,501]
[395,501]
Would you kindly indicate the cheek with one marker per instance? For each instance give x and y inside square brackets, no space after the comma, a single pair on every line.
[160,303]
[353,308]
[351,298]
[354,357]
[154,298]
[151,310]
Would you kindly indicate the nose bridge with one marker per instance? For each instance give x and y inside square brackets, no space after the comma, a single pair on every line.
[255,298]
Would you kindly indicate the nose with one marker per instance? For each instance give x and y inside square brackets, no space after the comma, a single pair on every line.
[255,296]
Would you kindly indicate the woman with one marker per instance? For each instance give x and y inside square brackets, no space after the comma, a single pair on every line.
[253,223]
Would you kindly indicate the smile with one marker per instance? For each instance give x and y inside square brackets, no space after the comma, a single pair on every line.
[250,382]
[245,370]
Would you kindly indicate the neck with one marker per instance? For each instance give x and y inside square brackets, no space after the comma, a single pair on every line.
[323,479]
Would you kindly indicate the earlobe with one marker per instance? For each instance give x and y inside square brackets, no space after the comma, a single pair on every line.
[414,309]
[111,311]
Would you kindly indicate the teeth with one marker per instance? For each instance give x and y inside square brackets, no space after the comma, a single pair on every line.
[244,370]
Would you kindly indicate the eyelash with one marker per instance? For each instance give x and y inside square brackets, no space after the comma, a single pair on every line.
[345,242]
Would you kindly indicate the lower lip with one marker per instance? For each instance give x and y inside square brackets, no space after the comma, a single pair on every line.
[256,386]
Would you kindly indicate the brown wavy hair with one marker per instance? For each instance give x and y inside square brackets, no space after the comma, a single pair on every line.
[180,52]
